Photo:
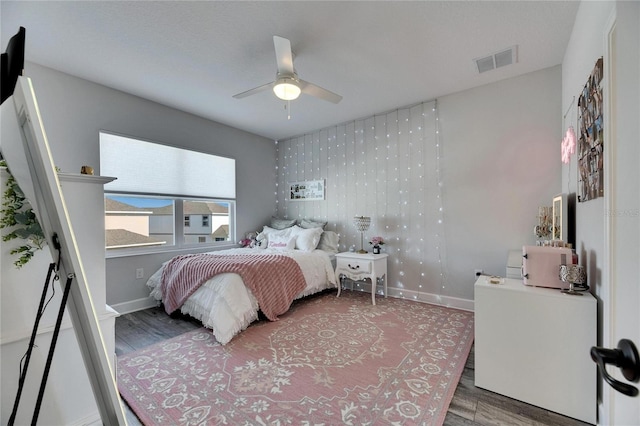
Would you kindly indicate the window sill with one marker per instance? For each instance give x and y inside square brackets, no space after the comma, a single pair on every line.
[174,250]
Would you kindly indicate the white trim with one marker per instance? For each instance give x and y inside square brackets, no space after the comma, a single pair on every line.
[135,305]
[74,177]
[90,420]
[25,333]
[416,296]
[606,410]
[434,299]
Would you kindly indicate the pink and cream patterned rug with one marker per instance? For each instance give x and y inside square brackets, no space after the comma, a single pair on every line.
[327,361]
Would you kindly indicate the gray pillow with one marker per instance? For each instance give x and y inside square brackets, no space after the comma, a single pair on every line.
[277,223]
[329,241]
[308,224]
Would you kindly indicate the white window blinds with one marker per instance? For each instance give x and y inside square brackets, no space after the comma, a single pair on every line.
[145,167]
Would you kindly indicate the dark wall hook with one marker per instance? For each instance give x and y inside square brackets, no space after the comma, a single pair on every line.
[624,357]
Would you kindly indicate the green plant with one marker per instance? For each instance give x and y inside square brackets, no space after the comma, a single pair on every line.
[17,214]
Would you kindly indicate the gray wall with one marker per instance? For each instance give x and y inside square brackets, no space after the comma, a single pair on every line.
[499,161]
[74,111]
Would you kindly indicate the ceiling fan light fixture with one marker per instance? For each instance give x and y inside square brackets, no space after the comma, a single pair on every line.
[286,88]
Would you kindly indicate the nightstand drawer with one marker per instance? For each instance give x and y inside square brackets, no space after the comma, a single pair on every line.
[355,266]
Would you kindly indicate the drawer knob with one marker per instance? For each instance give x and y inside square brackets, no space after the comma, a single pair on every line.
[353,267]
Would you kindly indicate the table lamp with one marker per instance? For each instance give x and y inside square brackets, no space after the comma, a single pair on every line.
[362,224]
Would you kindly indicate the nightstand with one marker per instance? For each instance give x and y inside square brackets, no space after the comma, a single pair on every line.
[358,267]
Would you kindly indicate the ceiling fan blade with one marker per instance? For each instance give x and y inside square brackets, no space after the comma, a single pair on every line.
[284,57]
[254,91]
[319,92]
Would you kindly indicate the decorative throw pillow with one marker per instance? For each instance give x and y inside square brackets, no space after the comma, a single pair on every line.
[307,224]
[281,242]
[277,223]
[329,242]
[307,239]
[269,233]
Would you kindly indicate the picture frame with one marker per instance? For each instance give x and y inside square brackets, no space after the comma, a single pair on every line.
[310,190]
[559,225]
[591,137]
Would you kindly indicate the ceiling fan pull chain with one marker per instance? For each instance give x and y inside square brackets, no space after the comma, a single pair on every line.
[288,108]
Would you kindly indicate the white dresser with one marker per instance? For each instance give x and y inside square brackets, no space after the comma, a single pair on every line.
[532,344]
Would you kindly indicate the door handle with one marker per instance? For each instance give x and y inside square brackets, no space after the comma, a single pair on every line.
[624,357]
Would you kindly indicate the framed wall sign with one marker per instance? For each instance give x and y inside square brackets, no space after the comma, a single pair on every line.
[307,190]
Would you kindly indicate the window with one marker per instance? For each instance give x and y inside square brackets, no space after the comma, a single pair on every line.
[161,204]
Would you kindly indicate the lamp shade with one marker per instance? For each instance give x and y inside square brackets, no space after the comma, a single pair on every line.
[362,223]
[574,274]
[286,88]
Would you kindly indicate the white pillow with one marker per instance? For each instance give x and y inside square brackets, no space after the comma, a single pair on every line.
[268,234]
[306,239]
[281,242]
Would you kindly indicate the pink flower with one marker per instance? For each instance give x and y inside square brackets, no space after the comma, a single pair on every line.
[376,241]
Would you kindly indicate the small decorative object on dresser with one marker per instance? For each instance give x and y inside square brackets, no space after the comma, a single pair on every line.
[575,275]
[376,242]
[358,267]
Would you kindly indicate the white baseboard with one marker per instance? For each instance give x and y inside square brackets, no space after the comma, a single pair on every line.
[451,302]
[434,299]
[135,305]
[91,420]
[16,335]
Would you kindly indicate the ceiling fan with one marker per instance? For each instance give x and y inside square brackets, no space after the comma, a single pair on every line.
[287,85]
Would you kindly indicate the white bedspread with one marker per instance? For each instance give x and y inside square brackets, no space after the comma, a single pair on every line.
[227,306]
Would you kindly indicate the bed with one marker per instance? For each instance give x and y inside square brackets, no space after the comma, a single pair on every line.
[225,303]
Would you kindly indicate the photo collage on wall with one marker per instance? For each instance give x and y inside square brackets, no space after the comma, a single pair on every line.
[307,191]
[590,138]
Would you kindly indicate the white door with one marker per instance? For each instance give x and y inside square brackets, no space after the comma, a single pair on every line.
[622,203]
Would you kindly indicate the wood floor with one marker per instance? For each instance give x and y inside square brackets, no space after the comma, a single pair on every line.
[470,405]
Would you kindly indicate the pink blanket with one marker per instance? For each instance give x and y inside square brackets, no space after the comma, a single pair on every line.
[273,279]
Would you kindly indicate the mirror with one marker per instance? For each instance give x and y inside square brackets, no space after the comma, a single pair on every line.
[559,218]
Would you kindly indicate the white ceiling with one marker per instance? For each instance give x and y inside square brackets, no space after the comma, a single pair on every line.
[379,55]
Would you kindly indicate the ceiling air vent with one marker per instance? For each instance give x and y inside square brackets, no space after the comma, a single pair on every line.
[497,60]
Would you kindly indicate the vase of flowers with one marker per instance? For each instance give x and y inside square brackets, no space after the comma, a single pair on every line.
[376,242]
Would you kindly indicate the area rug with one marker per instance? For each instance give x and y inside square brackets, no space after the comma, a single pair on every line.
[327,361]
